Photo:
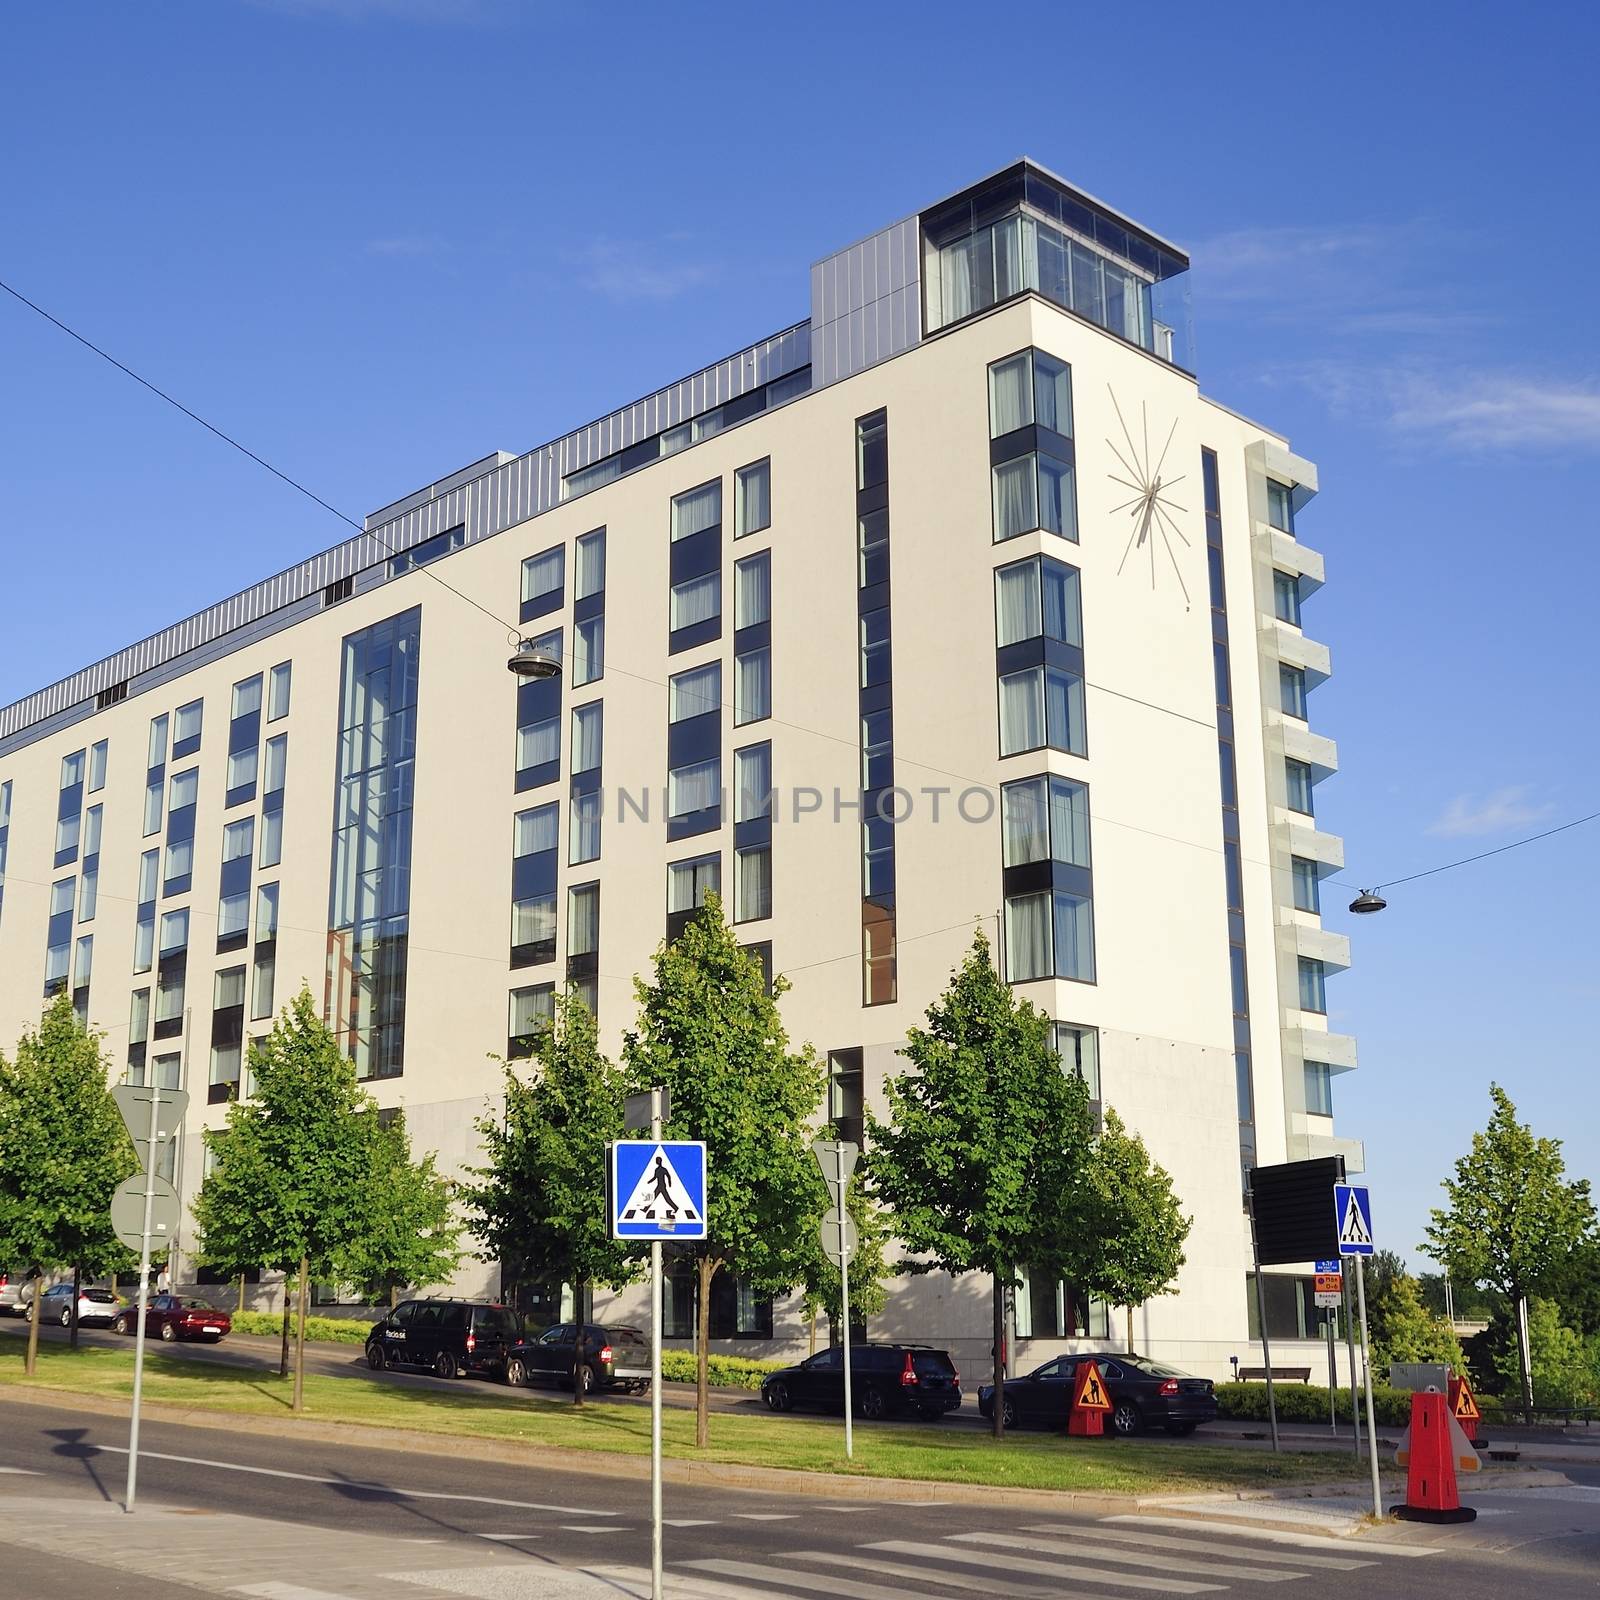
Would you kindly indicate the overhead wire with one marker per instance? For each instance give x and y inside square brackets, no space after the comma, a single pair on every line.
[514,631]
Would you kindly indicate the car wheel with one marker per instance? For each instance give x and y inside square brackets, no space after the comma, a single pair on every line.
[872,1403]
[1125,1420]
[779,1398]
[584,1378]
[169,1333]
[121,1325]
[375,1357]
[516,1372]
[444,1365]
[66,1316]
[1009,1410]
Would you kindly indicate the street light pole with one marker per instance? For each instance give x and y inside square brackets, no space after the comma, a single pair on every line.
[655,1383]
[144,1292]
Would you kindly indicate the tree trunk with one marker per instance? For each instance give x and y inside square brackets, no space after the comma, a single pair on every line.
[998,1422]
[702,1350]
[77,1290]
[1519,1309]
[813,1350]
[283,1364]
[1130,1330]
[33,1325]
[300,1342]
[240,1306]
[394,1295]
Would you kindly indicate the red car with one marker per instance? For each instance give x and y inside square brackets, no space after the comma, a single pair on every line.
[173,1317]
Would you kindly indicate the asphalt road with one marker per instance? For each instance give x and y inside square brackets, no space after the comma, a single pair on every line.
[542,1526]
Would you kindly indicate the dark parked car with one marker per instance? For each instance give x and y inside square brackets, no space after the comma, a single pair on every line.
[1143,1394]
[612,1358]
[885,1380]
[94,1305]
[173,1316]
[451,1336]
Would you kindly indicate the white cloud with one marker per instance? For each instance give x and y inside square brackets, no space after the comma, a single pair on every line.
[1468,816]
[628,270]
[1497,410]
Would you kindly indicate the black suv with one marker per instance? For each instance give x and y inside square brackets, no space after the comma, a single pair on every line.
[611,1358]
[885,1380]
[451,1336]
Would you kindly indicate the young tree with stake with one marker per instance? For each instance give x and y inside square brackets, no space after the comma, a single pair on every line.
[711,1035]
[985,1161]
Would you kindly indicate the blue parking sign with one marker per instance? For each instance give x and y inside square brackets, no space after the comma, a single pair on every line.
[658,1189]
[1352,1213]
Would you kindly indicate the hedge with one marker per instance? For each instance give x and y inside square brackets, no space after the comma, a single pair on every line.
[340,1330]
[1308,1402]
[726,1372]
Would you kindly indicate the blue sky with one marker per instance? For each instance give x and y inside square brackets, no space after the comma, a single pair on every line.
[376,239]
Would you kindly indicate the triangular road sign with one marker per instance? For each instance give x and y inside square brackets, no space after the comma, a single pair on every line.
[1466,1406]
[660,1195]
[1091,1392]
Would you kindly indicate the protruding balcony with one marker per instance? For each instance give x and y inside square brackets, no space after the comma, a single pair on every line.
[1335,1050]
[1317,944]
[1296,650]
[1317,750]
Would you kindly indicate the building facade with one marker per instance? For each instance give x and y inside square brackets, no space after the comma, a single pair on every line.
[956,605]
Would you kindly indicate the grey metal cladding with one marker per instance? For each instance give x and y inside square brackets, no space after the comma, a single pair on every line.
[858,302]
[487,497]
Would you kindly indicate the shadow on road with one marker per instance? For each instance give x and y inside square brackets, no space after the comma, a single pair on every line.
[75,1446]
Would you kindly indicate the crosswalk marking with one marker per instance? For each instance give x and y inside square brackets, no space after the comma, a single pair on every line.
[767,1516]
[690,1522]
[1085,1550]
[1049,1569]
[1157,1541]
[1306,1541]
[818,1583]
[511,1537]
[893,1569]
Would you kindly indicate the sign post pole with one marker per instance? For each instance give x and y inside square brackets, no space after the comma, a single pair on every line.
[1350,1352]
[144,1295]
[840,1179]
[1366,1362]
[656,1591]
[1333,1383]
[1261,1312]
[656,1190]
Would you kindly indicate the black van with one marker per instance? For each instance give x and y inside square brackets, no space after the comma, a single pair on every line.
[451,1336]
[886,1380]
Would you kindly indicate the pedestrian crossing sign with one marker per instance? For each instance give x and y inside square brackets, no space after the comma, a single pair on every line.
[1352,1214]
[1091,1392]
[658,1189]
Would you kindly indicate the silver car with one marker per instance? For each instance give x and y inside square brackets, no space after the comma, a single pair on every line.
[16,1293]
[94,1305]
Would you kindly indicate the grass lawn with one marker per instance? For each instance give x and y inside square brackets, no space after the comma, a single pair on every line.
[924,1451]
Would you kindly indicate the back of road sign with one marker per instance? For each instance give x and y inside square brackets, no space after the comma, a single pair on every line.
[127,1211]
[658,1189]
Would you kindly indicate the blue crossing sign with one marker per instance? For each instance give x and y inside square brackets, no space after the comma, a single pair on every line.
[658,1189]
[1352,1217]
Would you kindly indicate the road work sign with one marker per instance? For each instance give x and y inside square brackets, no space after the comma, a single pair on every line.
[1091,1394]
[658,1189]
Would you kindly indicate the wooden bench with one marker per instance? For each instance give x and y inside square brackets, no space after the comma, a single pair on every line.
[1279,1374]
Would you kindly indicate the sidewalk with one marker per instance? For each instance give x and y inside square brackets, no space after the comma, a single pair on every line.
[221,1554]
[1536,1444]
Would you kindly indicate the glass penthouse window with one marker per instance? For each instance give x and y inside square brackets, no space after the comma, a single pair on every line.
[1024,230]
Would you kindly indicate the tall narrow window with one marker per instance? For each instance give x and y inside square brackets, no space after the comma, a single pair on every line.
[533,886]
[278,685]
[752,588]
[244,741]
[752,685]
[696,510]
[752,870]
[1286,597]
[97,765]
[752,777]
[1307,890]
[369,902]
[588,726]
[752,498]
[1280,506]
[1292,690]
[1297,782]
[695,601]
[1313,985]
[186,726]
[694,693]
[589,565]
[588,651]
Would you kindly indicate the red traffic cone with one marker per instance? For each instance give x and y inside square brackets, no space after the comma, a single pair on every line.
[1429,1453]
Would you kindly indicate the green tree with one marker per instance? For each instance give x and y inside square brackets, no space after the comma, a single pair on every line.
[1471,1301]
[541,1199]
[1513,1221]
[298,1155]
[985,1161]
[710,1033]
[1575,1287]
[1565,1372]
[1138,1221]
[63,1151]
[232,1229]
[412,1237]
[1381,1270]
[1410,1332]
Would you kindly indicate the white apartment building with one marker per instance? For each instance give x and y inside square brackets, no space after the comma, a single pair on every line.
[963,569]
